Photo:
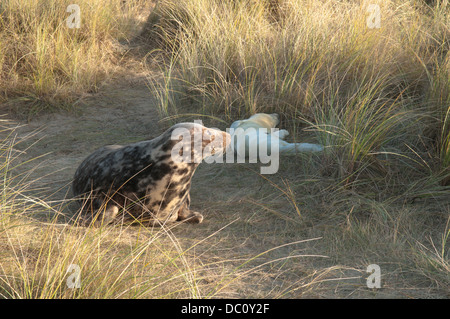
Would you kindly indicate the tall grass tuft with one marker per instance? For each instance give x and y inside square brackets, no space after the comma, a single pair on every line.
[47,63]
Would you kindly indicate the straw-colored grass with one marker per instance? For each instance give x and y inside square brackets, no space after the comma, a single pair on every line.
[45,62]
[377,98]
[367,91]
[45,254]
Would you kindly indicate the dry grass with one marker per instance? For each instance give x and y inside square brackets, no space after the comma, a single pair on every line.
[44,63]
[378,99]
[42,250]
[318,64]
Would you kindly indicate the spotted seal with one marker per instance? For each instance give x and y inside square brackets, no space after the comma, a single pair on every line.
[146,181]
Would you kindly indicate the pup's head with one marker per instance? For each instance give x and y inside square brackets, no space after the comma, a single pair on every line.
[259,120]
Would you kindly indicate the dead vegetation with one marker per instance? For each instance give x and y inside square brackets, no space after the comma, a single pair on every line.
[377,195]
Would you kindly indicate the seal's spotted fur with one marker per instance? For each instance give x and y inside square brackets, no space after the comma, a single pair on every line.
[141,181]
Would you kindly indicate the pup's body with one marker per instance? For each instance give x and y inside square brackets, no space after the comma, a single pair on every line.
[257,130]
[141,181]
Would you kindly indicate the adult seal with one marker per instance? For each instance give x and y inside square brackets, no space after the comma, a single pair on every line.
[149,181]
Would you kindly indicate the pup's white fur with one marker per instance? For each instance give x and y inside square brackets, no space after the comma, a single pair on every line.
[257,136]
